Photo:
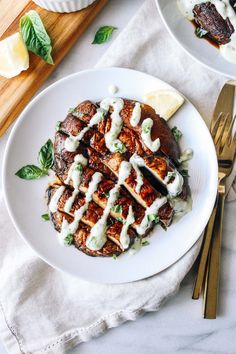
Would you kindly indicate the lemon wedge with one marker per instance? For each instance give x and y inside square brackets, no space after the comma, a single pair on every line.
[14,56]
[165,102]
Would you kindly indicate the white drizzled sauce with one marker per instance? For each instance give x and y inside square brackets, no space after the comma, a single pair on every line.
[72,142]
[116,121]
[175,187]
[75,175]
[55,198]
[136,115]
[97,237]
[135,162]
[113,89]
[124,237]
[146,135]
[228,50]
[71,228]
[153,209]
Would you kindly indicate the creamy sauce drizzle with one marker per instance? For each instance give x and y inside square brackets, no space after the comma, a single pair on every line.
[174,187]
[113,89]
[72,142]
[136,115]
[75,175]
[124,237]
[153,145]
[55,199]
[228,51]
[71,228]
[136,162]
[116,121]
[153,209]
[97,237]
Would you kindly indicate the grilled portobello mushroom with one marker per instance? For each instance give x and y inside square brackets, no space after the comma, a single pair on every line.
[89,177]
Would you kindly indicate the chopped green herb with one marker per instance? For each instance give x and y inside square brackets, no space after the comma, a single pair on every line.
[45,217]
[117,208]
[171,174]
[146,127]
[68,239]
[200,32]
[145,243]
[79,168]
[184,173]
[103,34]
[153,217]
[71,110]
[107,194]
[114,256]
[58,126]
[102,111]
[120,219]
[35,36]
[163,226]
[119,147]
[177,133]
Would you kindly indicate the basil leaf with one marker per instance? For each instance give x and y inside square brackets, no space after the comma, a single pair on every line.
[177,133]
[68,239]
[35,36]
[200,32]
[30,172]
[45,217]
[103,34]
[46,156]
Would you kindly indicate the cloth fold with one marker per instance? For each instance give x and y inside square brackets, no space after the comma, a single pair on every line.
[46,311]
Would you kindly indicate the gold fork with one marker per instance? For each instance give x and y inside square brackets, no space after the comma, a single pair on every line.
[225,145]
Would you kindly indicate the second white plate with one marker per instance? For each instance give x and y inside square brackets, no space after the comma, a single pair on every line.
[182,30]
[25,199]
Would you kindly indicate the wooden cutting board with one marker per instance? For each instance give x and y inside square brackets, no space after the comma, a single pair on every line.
[64,30]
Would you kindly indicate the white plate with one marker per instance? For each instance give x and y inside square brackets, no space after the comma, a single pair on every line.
[25,199]
[201,50]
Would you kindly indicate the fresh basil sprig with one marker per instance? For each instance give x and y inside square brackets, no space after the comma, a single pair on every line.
[46,156]
[45,160]
[103,34]
[30,172]
[35,36]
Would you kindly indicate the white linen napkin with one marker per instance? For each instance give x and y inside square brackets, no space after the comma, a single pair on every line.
[47,311]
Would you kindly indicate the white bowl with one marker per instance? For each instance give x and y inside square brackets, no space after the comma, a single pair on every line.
[63,5]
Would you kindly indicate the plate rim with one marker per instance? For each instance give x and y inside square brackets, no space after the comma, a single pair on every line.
[4,176]
[206,66]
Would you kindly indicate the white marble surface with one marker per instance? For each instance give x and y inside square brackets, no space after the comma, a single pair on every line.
[178,326]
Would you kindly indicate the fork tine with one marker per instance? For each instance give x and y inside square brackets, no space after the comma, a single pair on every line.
[228,134]
[220,130]
[216,125]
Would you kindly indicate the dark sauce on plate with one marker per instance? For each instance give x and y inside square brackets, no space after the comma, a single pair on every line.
[208,39]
